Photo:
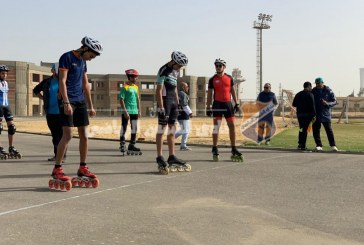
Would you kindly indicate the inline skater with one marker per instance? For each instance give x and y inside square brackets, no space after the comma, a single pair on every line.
[167,99]
[220,90]
[6,113]
[75,91]
[130,110]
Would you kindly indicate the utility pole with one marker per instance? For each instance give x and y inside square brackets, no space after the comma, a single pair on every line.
[261,24]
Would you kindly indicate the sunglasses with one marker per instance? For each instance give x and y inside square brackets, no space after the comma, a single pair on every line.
[218,66]
[266,87]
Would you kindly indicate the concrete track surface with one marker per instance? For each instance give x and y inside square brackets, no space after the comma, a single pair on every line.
[274,197]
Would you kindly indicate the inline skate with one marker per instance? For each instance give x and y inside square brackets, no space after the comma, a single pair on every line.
[3,154]
[236,156]
[162,165]
[85,178]
[60,180]
[215,154]
[122,148]
[134,151]
[179,165]
[13,153]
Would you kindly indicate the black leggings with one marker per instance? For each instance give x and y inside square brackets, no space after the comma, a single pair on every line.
[54,125]
[134,126]
[316,133]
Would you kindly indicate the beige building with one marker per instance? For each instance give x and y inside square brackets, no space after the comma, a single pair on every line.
[24,76]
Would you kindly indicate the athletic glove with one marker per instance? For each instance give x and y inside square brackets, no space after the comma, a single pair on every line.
[162,119]
[236,108]
[209,112]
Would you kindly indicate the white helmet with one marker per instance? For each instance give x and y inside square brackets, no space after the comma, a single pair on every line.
[93,44]
[4,68]
[179,58]
[220,61]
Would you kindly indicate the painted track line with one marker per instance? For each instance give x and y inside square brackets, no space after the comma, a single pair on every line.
[136,184]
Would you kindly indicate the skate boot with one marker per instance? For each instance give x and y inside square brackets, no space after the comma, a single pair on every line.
[179,165]
[215,154]
[60,180]
[3,154]
[236,156]
[13,153]
[162,165]
[85,178]
[122,148]
[132,150]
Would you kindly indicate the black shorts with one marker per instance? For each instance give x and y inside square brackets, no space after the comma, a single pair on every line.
[171,110]
[79,118]
[225,109]
[6,113]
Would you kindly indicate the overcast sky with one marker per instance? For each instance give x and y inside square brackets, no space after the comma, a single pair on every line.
[307,39]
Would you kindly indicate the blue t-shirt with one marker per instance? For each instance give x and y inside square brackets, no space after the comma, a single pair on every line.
[53,101]
[4,89]
[76,69]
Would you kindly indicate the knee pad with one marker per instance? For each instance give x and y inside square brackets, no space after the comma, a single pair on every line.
[1,127]
[11,129]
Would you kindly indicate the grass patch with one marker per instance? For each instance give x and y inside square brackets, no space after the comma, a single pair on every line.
[348,137]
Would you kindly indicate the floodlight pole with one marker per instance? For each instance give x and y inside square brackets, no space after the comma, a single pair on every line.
[261,24]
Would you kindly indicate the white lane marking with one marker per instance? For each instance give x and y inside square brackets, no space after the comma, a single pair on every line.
[135,184]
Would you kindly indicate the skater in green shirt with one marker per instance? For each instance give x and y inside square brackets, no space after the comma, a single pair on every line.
[130,110]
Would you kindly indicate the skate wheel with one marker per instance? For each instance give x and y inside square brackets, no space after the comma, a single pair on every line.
[19,156]
[128,153]
[74,182]
[80,183]
[188,168]
[173,169]
[56,184]
[87,184]
[68,185]
[163,170]
[61,186]
[95,183]
[180,169]
[51,184]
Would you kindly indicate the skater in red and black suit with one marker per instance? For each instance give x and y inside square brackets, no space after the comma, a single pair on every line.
[221,89]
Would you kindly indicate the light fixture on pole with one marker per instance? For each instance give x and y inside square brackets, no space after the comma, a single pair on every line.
[261,24]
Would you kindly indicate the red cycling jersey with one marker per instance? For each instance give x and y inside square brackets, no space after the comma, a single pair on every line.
[222,87]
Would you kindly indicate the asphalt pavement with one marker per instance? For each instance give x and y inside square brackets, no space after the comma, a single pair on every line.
[273,197]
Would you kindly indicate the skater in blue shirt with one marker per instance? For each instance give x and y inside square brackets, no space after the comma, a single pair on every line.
[75,95]
[47,90]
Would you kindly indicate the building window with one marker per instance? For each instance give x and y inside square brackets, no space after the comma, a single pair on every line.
[200,100]
[200,87]
[147,97]
[147,86]
[36,78]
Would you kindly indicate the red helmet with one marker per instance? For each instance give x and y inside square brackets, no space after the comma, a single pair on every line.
[132,73]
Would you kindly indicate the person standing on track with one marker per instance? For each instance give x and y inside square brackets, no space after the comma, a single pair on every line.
[167,102]
[130,110]
[75,92]
[6,113]
[184,116]
[220,90]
